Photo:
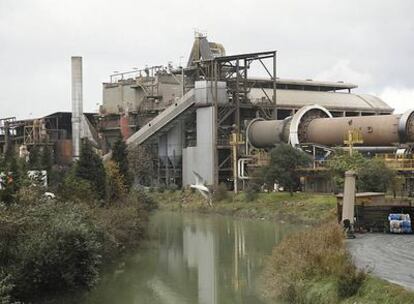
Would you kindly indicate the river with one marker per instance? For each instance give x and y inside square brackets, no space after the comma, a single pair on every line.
[189,258]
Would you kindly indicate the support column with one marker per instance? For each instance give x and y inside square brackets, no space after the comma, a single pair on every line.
[349,197]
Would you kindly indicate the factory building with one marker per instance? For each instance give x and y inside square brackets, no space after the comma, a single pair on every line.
[219,116]
[198,118]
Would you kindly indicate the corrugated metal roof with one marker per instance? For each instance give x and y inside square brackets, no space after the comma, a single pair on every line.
[330,100]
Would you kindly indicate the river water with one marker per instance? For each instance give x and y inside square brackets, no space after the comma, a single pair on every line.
[204,259]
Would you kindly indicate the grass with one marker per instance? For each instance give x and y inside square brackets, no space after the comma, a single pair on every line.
[301,207]
[313,266]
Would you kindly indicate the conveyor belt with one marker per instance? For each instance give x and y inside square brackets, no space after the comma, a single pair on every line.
[162,120]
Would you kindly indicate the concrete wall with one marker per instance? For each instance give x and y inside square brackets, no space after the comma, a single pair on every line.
[205,91]
[201,158]
[121,97]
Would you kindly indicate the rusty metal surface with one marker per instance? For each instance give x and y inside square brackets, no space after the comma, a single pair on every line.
[265,133]
[376,130]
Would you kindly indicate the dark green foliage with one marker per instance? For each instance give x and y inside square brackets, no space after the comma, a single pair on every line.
[140,162]
[341,162]
[251,192]
[90,168]
[34,158]
[58,248]
[6,287]
[284,164]
[140,197]
[77,189]
[161,188]
[375,176]
[46,159]
[120,157]
[15,176]
[49,247]
[350,281]
[220,193]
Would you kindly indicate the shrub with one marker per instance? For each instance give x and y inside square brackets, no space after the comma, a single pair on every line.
[161,188]
[116,188]
[139,197]
[220,193]
[58,248]
[350,281]
[307,256]
[6,286]
[90,167]
[77,190]
[251,192]
[123,226]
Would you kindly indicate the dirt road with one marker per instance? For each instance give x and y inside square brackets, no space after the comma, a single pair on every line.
[387,256]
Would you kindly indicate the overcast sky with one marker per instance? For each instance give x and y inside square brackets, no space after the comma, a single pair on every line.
[367,42]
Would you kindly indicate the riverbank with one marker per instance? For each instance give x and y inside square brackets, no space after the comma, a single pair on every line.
[314,266]
[310,284]
[50,247]
[300,208]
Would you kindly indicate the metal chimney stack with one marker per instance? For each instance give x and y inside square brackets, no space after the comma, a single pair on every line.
[77,106]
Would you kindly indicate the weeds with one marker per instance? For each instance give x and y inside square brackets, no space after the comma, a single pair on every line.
[307,256]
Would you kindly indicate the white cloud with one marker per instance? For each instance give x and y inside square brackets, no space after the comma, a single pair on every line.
[342,71]
[401,99]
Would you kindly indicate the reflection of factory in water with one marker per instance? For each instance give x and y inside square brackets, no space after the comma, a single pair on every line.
[219,258]
[216,118]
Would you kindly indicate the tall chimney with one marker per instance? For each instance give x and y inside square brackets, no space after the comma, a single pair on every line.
[77,105]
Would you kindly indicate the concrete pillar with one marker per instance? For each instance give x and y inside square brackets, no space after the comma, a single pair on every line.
[77,105]
[349,197]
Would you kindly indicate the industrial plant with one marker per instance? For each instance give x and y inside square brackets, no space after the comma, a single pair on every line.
[218,117]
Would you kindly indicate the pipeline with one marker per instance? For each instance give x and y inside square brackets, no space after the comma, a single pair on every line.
[315,124]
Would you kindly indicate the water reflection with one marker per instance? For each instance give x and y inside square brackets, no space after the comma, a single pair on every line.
[193,259]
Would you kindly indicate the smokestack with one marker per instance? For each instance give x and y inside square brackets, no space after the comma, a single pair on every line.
[77,105]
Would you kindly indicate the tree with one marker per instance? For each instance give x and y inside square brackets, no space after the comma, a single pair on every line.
[89,167]
[140,164]
[13,175]
[115,183]
[341,162]
[34,158]
[46,160]
[375,176]
[120,157]
[284,164]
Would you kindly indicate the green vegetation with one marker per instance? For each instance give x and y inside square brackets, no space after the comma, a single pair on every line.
[120,158]
[52,246]
[299,207]
[373,174]
[283,167]
[89,167]
[313,266]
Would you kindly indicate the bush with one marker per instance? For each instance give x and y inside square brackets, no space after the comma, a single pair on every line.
[58,248]
[139,197]
[251,192]
[77,190]
[123,226]
[303,258]
[350,281]
[220,193]
[116,188]
[6,287]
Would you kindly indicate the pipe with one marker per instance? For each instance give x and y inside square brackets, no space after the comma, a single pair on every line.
[375,130]
[77,105]
[315,124]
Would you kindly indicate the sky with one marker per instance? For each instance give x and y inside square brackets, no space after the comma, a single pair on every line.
[366,42]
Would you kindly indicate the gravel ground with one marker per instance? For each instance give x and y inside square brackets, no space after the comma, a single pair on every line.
[388,256]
